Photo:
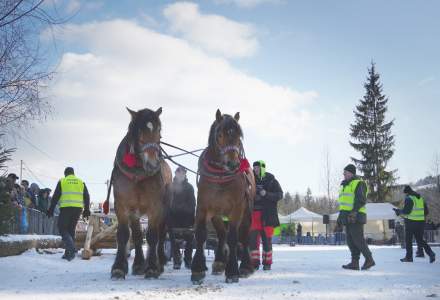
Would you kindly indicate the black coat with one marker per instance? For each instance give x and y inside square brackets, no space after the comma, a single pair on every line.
[268,203]
[182,205]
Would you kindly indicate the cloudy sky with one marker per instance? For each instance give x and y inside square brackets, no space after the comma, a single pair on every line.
[293,69]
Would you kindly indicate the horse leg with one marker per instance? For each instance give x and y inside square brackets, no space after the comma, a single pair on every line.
[218,266]
[198,266]
[161,247]
[120,266]
[246,268]
[152,269]
[231,271]
[138,266]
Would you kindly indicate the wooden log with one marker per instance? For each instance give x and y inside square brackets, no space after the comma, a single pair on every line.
[9,246]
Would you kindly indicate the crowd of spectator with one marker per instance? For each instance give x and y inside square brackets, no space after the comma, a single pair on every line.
[28,195]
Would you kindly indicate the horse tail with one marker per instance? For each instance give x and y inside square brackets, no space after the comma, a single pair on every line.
[106,204]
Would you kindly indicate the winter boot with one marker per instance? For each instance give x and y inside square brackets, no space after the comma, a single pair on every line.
[70,255]
[353,265]
[266,267]
[369,262]
[406,259]
[432,257]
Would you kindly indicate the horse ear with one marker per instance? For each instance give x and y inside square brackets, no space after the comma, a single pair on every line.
[218,115]
[237,116]
[132,113]
[158,111]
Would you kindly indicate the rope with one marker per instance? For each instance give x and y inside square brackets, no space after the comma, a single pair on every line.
[176,163]
[181,149]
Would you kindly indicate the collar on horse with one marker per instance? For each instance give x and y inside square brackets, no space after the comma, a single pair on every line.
[214,172]
[129,164]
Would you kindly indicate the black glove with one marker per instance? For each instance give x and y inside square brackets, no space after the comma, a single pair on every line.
[397,211]
[352,217]
[49,213]
[86,213]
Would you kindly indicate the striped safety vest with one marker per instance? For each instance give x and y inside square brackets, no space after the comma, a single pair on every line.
[418,210]
[72,192]
[346,197]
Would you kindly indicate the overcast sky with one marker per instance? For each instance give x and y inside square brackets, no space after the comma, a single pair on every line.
[293,69]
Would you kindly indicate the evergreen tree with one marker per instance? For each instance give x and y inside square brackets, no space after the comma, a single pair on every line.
[6,210]
[372,137]
[296,202]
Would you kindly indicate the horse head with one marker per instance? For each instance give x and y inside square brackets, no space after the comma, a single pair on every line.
[225,140]
[144,137]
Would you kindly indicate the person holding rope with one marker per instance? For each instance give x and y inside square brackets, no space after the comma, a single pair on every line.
[181,214]
[73,196]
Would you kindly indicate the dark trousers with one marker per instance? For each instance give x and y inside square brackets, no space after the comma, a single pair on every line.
[66,225]
[415,229]
[356,241]
[177,238]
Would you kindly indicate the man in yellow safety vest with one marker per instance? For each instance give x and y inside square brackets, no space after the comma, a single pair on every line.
[353,214]
[73,196]
[414,212]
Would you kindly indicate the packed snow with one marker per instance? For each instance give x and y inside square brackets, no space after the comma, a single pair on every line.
[301,272]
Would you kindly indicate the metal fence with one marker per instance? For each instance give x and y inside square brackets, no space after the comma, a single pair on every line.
[32,221]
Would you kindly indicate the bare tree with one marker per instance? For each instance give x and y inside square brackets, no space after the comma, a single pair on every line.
[24,70]
[329,179]
[436,169]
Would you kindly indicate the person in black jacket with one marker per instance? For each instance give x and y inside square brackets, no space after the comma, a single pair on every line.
[414,213]
[181,213]
[264,215]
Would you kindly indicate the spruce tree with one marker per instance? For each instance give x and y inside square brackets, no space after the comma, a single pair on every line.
[372,137]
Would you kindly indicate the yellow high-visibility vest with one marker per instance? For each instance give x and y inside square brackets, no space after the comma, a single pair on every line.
[72,192]
[418,211]
[346,197]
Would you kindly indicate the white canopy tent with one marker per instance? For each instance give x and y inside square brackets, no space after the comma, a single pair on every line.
[375,212]
[301,215]
[377,215]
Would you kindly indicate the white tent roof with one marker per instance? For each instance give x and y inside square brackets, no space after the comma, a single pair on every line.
[302,214]
[376,211]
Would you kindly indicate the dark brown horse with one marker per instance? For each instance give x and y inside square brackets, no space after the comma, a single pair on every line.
[141,181]
[226,189]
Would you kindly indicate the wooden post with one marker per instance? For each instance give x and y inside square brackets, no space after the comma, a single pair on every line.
[87,252]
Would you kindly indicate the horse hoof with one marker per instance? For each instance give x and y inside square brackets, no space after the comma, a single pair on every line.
[138,270]
[245,273]
[218,268]
[197,277]
[232,279]
[152,274]
[118,274]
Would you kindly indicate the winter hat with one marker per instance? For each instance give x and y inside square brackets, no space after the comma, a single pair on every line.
[408,190]
[181,169]
[350,168]
[262,166]
[68,171]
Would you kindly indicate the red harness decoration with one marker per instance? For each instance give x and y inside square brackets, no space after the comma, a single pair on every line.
[129,160]
[216,174]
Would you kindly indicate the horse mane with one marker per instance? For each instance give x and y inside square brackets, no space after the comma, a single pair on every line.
[139,123]
[227,122]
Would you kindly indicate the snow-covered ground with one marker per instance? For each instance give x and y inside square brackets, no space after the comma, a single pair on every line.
[302,272]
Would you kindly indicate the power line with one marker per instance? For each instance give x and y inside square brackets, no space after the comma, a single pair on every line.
[39,150]
[33,175]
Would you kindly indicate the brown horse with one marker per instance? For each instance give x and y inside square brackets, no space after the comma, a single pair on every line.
[226,188]
[141,180]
